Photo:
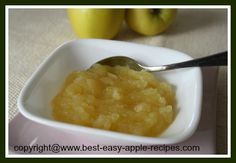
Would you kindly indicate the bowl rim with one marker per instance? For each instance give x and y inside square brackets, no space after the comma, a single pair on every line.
[32,81]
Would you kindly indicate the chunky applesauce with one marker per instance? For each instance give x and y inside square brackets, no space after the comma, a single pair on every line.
[116,98]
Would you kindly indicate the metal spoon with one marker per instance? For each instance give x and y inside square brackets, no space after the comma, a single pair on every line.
[218,59]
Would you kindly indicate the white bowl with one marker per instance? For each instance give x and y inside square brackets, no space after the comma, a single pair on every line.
[34,99]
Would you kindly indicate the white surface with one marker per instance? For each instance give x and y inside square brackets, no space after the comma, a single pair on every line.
[34,100]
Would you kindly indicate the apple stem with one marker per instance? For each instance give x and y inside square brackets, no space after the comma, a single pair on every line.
[155,11]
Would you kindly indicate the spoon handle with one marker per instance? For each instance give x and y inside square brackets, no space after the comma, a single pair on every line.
[219,59]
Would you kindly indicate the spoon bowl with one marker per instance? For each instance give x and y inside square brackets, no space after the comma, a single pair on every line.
[121,61]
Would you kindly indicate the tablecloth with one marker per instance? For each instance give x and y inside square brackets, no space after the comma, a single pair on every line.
[34,33]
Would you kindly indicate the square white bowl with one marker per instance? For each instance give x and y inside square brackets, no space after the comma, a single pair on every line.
[34,99]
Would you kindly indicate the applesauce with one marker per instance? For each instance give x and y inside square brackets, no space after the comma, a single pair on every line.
[117,99]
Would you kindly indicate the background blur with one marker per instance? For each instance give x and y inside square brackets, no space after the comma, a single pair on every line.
[35,33]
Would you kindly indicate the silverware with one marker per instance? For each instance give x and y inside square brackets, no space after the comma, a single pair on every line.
[219,59]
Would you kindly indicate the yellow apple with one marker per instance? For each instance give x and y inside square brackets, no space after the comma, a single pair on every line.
[96,23]
[150,21]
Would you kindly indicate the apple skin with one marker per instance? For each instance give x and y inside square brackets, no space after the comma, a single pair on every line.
[96,23]
[150,21]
